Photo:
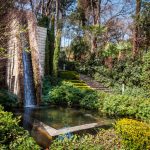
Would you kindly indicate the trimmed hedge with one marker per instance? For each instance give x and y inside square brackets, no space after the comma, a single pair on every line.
[69,75]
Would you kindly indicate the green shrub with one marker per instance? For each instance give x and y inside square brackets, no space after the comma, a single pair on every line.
[76,81]
[90,101]
[146,72]
[12,136]
[48,83]
[101,98]
[104,140]
[124,105]
[109,140]
[76,143]
[144,110]
[69,75]
[65,94]
[120,105]
[8,99]
[79,84]
[135,135]
[84,87]
[132,91]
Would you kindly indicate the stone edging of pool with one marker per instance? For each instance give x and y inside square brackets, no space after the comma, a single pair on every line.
[54,132]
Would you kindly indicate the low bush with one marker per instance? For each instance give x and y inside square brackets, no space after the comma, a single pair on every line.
[12,136]
[69,75]
[135,135]
[131,91]
[144,110]
[76,143]
[101,99]
[90,101]
[84,87]
[7,99]
[146,72]
[79,84]
[48,83]
[104,140]
[76,81]
[109,139]
[65,94]
[120,105]
[124,105]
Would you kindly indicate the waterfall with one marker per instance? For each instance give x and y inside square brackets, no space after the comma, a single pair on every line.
[29,92]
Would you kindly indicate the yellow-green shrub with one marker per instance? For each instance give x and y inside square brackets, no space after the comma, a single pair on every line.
[135,135]
[83,87]
[76,81]
[69,75]
[79,84]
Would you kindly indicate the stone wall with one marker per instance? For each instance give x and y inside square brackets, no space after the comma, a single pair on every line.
[37,39]
[14,61]
[41,36]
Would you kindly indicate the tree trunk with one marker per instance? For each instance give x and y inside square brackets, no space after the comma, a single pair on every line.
[135,50]
[56,53]
[96,21]
[58,31]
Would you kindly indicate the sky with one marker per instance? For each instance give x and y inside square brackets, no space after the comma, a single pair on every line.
[119,7]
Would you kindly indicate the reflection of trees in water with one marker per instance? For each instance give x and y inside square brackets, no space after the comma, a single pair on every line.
[57,117]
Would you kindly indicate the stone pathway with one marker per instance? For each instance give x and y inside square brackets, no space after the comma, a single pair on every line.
[94,84]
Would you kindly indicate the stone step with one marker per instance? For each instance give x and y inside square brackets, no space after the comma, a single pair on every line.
[94,84]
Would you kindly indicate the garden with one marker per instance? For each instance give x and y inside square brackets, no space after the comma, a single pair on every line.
[76,72]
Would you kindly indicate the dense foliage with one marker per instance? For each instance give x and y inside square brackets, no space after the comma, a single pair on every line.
[65,94]
[79,47]
[127,134]
[146,72]
[69,75]
[123,105]
[135,135]
[7,99]
[104,140]
[77,93]
[12,136]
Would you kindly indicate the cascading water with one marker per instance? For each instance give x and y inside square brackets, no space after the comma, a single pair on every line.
[29,93]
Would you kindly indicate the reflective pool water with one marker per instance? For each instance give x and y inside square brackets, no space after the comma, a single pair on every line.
[58,117]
